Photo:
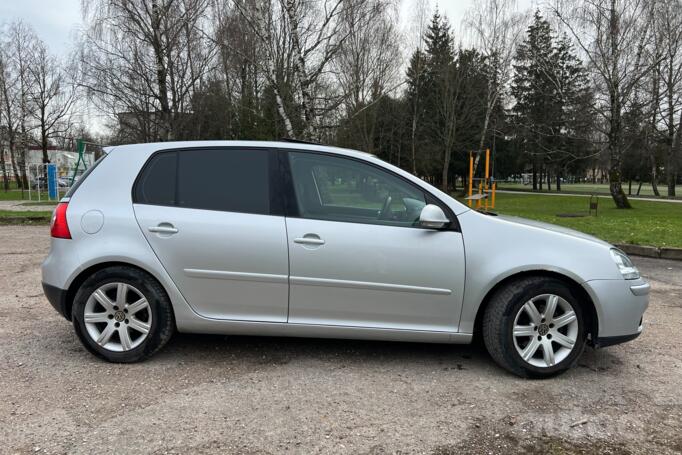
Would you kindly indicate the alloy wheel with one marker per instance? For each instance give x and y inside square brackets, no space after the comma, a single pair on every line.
[545,330]
[117,317]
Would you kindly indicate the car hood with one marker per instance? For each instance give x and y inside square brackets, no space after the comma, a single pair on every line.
[553,228]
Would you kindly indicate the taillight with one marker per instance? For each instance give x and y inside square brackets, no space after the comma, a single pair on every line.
[59,227]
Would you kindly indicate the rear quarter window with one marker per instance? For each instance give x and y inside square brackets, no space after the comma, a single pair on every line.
[156,184]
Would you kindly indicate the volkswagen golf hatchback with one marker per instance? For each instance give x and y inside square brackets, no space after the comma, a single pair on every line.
[269,238]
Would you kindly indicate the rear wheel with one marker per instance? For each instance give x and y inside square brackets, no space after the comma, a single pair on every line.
[122,315]
[535,327]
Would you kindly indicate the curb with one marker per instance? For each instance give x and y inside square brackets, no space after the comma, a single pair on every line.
[674,254]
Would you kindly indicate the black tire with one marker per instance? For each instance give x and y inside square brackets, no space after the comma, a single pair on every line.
[498,322]
[162,324]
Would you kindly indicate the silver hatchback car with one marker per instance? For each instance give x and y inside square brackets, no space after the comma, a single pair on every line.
[270,238]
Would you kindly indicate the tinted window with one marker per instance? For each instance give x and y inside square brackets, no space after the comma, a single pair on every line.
[157,183]
[342,189]
[229,180]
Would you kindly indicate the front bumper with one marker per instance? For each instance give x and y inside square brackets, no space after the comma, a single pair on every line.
[620,306]
[602,342]
[57,298]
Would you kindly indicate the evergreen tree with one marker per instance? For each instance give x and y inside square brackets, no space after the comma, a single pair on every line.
[551,101]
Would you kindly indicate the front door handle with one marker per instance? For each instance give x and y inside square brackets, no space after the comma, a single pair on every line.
[309,239]
[163,228]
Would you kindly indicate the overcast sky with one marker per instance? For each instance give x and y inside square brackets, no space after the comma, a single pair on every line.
[57,21]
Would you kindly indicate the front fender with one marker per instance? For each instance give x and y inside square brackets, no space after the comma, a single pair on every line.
[497,249]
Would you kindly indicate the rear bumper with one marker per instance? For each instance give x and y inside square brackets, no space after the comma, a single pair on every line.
[57,298]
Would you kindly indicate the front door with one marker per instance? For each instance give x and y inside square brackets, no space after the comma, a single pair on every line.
[357,255]
[209,217]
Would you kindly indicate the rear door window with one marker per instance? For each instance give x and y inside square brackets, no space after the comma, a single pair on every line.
[230,180]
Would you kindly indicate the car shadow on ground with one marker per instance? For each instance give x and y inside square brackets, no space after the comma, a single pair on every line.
[198,351]
[281,350]
[277,351]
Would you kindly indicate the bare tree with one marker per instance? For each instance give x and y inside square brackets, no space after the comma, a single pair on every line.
[144,59]
[497,29]
[668,22]
[15,85]
[51,96]
[613,35]
[368,63]
[7,124]
[419,26]
[299,39]
[652,91]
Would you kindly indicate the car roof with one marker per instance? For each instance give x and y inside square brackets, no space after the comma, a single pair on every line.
[154,146]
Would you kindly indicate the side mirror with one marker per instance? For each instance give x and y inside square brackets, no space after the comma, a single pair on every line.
[432,217]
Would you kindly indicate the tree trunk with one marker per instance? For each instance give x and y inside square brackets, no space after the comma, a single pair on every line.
[446,168]
[13,161]
[558,181]
[414,132]
[655,90]
[22,169]
[671,167]
[654,175]
[615,124]
[5,177]
[549,180]
[535,177]
[283,114]
[615,153]
[44,140]
[673,140]
[161,74]
[304,81]
[639,187]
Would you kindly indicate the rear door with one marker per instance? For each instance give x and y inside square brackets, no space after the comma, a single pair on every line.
[213,218]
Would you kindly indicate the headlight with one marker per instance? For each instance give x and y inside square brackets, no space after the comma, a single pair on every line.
[625,265]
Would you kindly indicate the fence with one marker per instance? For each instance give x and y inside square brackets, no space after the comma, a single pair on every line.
[36,174]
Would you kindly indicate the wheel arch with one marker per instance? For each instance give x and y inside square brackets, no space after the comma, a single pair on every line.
[84,274]
[583,295]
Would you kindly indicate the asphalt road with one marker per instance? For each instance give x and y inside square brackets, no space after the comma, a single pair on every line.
[247,395]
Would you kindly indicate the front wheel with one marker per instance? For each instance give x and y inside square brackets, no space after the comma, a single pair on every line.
[122,315]
[535,327]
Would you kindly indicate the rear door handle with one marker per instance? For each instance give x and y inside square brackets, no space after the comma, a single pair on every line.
[163,228]
[309,239]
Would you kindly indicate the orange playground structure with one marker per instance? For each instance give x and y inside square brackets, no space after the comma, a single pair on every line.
[485,197]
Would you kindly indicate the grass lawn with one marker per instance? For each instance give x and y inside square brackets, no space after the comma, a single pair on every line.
[15,195]
[647,223]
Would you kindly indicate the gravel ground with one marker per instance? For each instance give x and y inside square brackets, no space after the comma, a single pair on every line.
[215,394]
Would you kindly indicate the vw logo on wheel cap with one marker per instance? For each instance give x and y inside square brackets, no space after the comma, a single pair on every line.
[543,330]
